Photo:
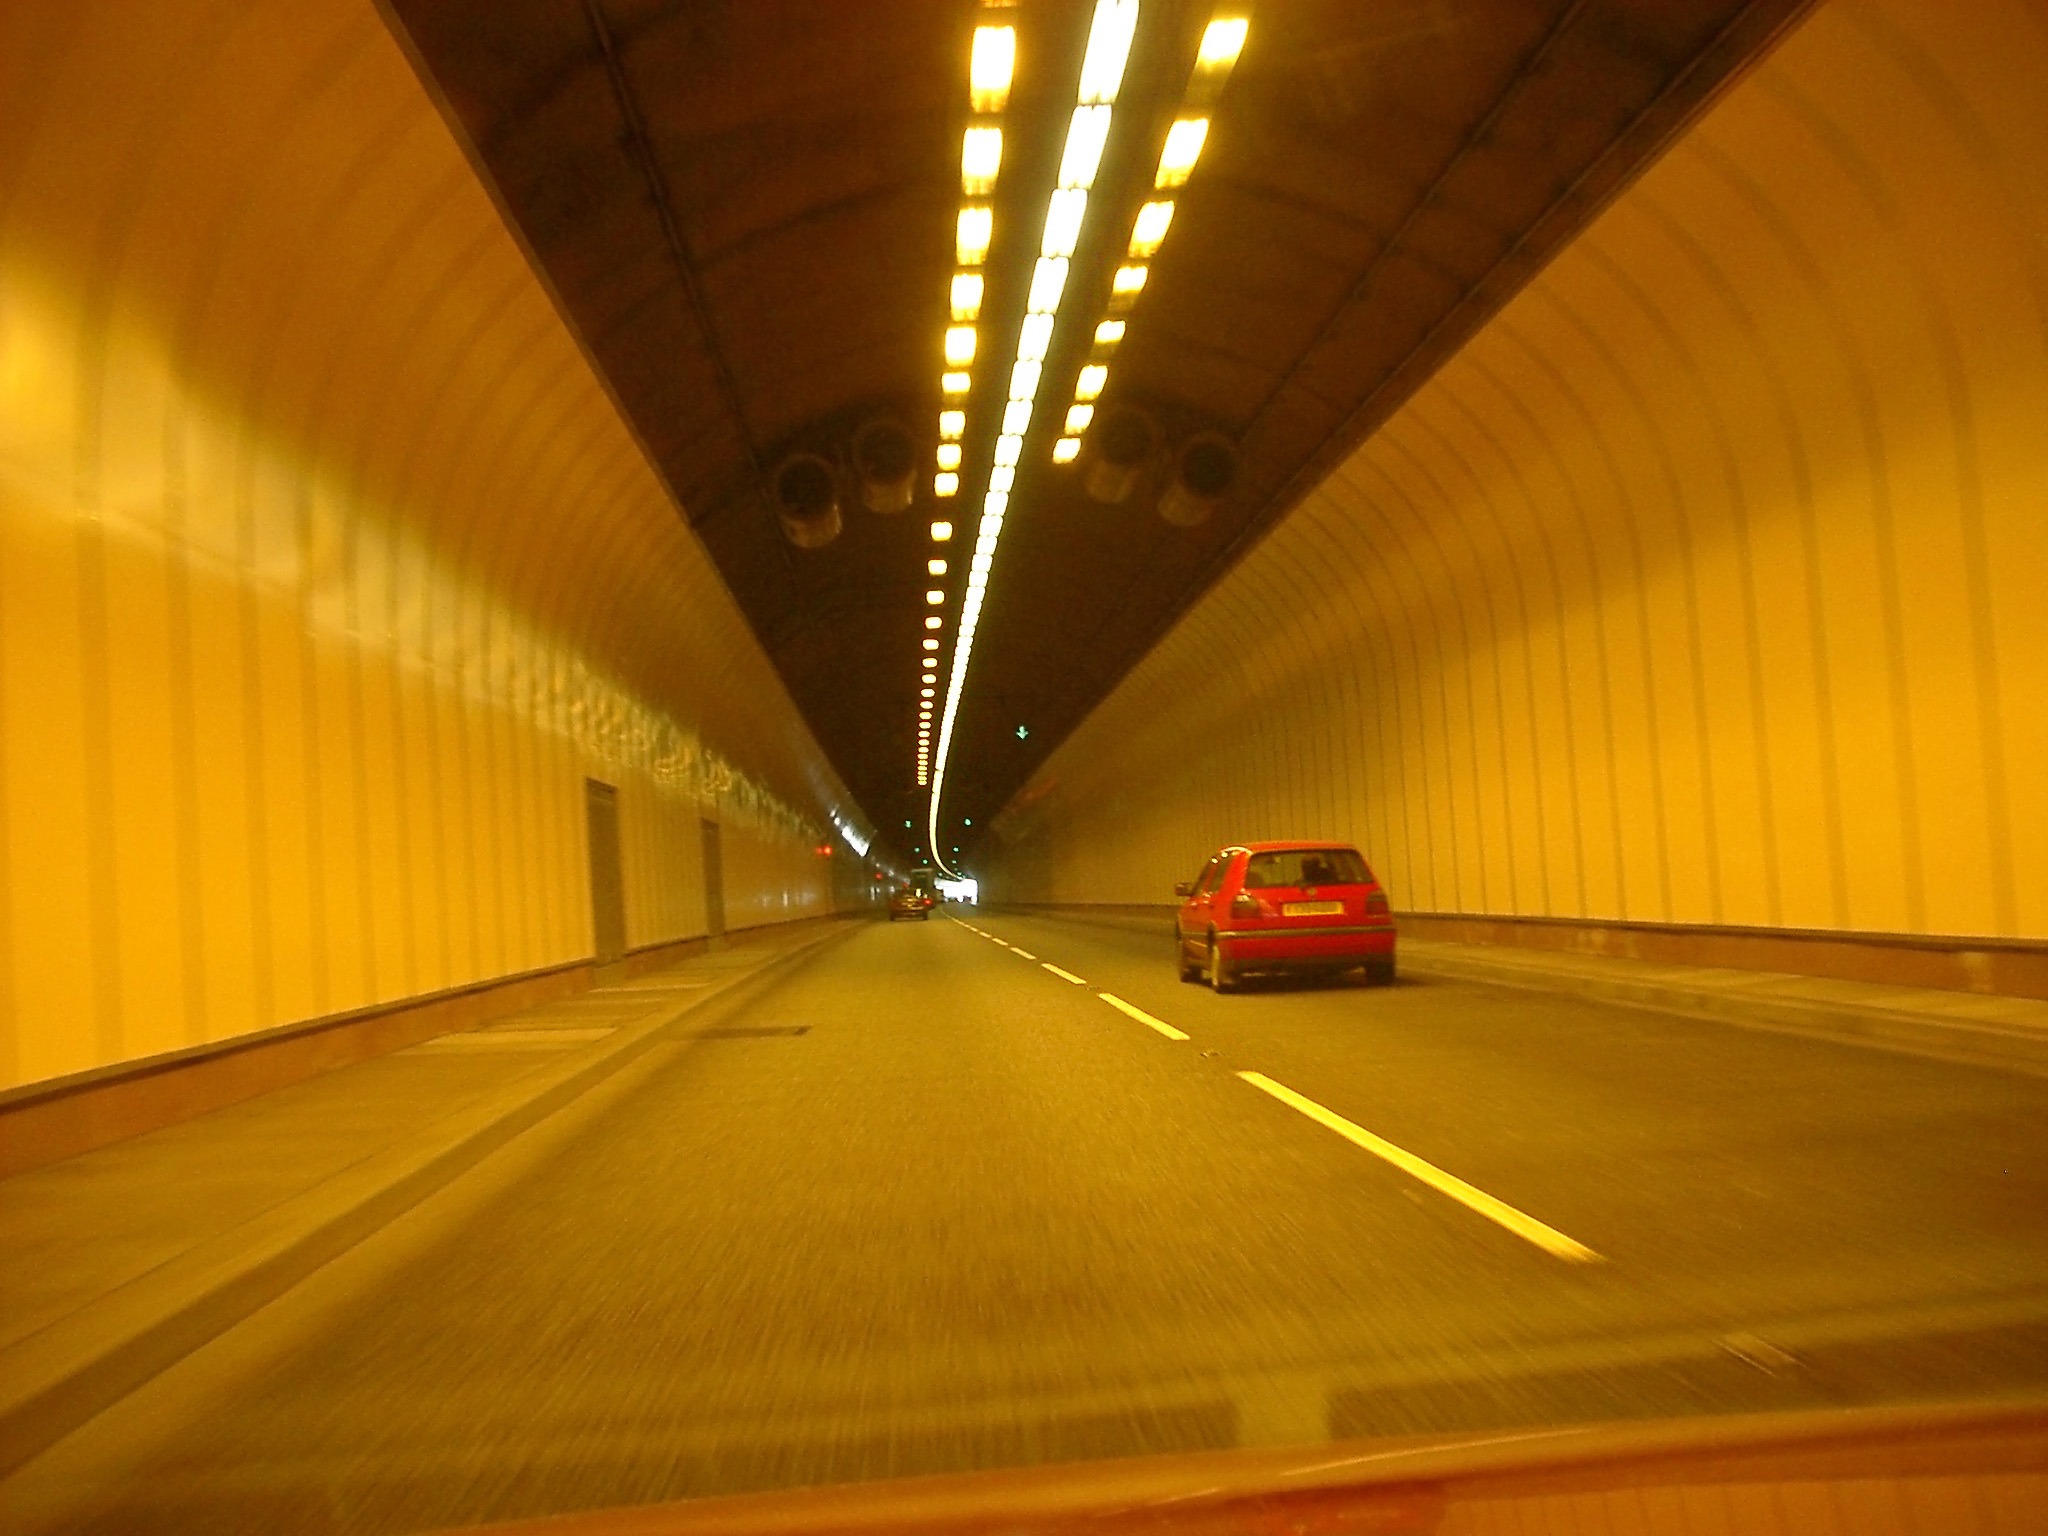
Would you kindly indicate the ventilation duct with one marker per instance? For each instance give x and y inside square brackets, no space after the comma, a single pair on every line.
[886,460]
[1121,447]
[807,500]
[1203,472]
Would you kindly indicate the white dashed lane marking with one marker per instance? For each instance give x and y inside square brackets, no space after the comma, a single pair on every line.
[1523,1225]
[1141,1016]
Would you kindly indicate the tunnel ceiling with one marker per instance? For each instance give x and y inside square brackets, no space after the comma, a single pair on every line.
[746,209]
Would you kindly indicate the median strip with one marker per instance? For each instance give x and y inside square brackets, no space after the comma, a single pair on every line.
[1063,975]
[1141,1016]
[1524,1226]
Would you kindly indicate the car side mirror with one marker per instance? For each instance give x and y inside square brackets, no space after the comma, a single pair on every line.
[1184,888]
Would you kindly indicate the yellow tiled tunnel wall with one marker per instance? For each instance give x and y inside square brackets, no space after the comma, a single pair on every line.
[328,571]
[1708,584]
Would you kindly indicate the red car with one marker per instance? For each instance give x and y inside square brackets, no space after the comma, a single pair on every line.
[1296,908]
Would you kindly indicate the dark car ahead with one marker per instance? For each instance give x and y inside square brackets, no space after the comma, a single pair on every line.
[1283,908]
[910,902]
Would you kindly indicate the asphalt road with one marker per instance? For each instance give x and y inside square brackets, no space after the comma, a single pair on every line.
[932,1205]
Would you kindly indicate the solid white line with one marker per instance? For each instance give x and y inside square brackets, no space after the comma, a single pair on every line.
[1141,1016]
[1527,1227]
[1063,975]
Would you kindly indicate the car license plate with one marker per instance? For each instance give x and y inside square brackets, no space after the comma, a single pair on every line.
[1310,908]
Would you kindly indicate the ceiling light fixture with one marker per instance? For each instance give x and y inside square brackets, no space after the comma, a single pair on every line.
[1222,41]
[1063,216]
[981,156]
[1048,281]
[1149,233]
[971,236]
[990,67]
[966,295]
[1034,338]
[1111,27]
[1184,142]
[1087,132]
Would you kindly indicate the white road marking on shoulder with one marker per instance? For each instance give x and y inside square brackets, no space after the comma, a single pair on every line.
[1063,975]
[1524,1226]
[1141,1016]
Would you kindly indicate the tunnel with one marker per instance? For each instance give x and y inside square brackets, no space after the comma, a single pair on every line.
[463,618]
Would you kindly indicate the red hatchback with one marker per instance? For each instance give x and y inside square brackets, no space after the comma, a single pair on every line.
[1301,908]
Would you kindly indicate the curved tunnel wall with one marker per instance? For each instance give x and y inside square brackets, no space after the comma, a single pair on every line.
[1707,585]
[328,570]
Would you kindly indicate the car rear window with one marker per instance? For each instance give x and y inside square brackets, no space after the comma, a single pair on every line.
[1305,866]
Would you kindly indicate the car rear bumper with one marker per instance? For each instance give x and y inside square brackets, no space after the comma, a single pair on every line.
[1277,948]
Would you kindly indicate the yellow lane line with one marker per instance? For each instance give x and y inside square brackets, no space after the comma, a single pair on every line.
[1527,1227]
[1063,975]
[1024,952]
[1141,1016]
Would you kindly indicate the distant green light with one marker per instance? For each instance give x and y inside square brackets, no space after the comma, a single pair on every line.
[1023,732]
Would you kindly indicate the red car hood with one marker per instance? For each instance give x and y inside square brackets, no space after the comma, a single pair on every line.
[1954,1469]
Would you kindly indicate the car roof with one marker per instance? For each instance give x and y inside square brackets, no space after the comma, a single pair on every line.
[1283,847]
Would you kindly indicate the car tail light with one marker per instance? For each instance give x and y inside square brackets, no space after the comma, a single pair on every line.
[1244,904]
[1376,903]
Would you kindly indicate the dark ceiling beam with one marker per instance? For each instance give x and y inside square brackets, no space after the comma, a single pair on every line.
[1476,135]
[640,148]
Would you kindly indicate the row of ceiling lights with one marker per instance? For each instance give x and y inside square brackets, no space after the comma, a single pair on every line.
[992,63]
[1088,130]
[1110,31]
[1222,41]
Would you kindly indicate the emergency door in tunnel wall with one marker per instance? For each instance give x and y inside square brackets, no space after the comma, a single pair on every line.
[607,887]
[714,882]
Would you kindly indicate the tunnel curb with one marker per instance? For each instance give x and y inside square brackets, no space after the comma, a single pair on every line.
[1736,997]
[56,1379]
[1957,1041]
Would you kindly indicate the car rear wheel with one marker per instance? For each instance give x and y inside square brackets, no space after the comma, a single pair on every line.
[1380,973]
[1180,959]
[1221,978]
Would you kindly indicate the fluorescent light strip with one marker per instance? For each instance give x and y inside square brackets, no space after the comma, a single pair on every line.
[1110,31]
[1222,41]
[990,65]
